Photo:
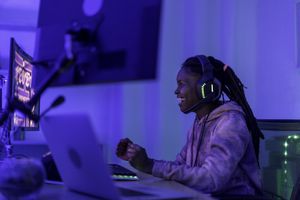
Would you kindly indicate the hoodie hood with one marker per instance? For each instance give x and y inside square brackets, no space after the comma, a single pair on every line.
[226,107]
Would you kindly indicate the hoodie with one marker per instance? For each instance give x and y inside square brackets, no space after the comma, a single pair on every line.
[218,156]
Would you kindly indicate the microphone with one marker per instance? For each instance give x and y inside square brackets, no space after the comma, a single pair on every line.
[193,107]
[58,101]
[20,177]
[23,107]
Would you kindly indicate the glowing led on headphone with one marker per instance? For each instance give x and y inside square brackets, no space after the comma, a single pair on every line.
[202,90]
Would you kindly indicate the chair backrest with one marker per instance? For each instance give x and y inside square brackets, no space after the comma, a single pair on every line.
[296,190]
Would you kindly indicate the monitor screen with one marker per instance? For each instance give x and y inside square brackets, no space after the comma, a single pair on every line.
[21,86]
[121,43]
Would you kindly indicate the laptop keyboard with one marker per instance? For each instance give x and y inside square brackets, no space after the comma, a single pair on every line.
[121,173]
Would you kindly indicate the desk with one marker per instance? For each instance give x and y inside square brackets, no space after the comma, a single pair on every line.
[164,190]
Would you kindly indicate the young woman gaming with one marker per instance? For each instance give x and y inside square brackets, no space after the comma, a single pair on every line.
[220,155]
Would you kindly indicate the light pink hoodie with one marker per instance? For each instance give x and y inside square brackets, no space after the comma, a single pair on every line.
[225,163]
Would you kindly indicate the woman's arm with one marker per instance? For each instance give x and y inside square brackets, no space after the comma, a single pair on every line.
[228,144]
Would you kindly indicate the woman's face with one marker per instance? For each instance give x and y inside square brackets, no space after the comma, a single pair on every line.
[186,89]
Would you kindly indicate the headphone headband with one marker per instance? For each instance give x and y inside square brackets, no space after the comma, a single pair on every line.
[208,87]
[207,68]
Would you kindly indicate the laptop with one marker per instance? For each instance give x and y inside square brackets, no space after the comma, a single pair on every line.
[78,155]
[80,162]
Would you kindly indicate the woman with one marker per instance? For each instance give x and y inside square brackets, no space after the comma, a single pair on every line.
[221,153]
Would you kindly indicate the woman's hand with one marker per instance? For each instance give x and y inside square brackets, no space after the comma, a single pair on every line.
[135,154]
[122,149]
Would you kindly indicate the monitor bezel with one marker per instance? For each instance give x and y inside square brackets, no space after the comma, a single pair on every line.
[15,47]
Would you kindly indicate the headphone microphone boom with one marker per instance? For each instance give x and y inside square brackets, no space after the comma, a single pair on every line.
[192,108]
[208,87]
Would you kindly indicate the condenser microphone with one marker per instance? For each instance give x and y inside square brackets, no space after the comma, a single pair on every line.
[58,101]
[20,177]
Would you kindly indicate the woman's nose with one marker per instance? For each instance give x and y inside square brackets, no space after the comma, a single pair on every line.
[176,92]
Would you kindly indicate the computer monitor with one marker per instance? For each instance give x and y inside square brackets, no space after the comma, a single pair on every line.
[21,87]
[121,43]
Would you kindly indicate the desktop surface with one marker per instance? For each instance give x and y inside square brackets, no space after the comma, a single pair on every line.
[80,161]
[160,189]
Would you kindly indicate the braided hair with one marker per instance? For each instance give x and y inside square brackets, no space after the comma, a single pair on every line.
[234,90]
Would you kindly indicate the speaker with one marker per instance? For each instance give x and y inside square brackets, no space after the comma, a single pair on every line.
[208,87]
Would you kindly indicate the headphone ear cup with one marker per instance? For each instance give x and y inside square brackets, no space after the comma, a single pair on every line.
[209,91]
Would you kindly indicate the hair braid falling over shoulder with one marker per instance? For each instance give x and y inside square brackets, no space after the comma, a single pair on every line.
[234,89]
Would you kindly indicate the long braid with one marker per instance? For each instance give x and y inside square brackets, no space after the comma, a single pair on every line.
[234,89]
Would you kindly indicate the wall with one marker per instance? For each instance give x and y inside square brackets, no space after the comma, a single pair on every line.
[278,76]
[17,19]
[257,38]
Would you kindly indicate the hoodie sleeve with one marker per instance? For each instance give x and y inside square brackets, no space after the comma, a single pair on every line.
[228,143]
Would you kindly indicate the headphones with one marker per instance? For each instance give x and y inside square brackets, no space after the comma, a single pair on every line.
[208,87]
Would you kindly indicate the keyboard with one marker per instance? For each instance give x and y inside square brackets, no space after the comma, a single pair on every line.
[121,173]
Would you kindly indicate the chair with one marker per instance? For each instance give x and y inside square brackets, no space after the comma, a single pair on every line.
[296,190]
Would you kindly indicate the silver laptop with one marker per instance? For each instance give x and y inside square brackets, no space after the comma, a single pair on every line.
[78,155]
[79,160]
